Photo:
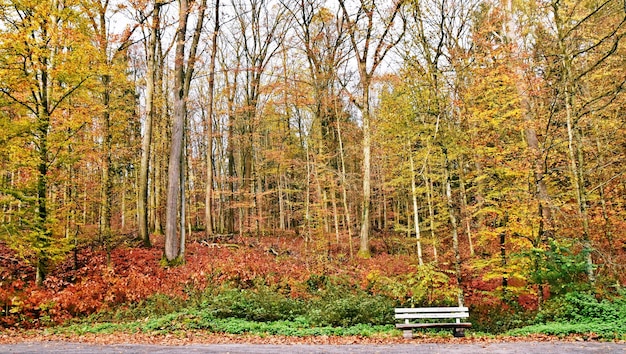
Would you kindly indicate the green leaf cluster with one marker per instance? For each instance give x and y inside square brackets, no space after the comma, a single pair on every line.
[560,267]
[580,313]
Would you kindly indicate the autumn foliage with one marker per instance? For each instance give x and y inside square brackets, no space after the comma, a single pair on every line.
[84,284]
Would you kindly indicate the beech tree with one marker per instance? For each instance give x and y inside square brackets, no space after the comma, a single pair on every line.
[150,112]
[184,65]
[374,30]
[208,201]
[45,56]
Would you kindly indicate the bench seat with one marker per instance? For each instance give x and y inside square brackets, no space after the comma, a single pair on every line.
[432,313]
[434,325]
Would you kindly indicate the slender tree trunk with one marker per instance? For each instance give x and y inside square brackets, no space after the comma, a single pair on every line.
[124,179]
[454,231]
[178,122]
[416,221]
[307,199]
[107,170]
[431,215]
[208,212]
[69,197]
[344,192]
[576,163]
[231,90]
[146,142]
[364,247]
[385,213]
[281,202]
[162,146]
[183,196]
[43,234]
[466,215]
[503,264]
[370,44]
[158,188]
[333,199]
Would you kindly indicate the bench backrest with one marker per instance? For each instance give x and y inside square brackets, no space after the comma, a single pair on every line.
[432,312]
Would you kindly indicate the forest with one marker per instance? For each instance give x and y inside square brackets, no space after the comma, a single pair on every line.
[230,164]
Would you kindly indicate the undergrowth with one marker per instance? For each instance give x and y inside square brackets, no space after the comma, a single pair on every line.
[580,314]
[336,309]
[190,320]
[236,311]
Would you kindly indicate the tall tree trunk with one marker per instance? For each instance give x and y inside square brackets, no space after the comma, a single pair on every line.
[454,230]
[123,181]
[574,146]
[178,122]
[42,230]
[344,191]
[416,221]
[466,215]
[183,196]
[307,198]
[146,142]
[333,199]
[503,264]
[364,246]
[182,83]
[107,169]
[370,44]
[230,152]
[431,214]
[608,227]
[281,201]
[208,200]
[159,172]
[43,233]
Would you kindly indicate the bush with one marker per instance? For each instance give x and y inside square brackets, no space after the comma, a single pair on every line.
[582,307]
[261,305]
[561,267]
[498,317]
[580,313]
[351,309]
[340,304]
[335,304]
[155,305]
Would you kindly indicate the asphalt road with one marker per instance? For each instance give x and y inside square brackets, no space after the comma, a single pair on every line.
[492,348]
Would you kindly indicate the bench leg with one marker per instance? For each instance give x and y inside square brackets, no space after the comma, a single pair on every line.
[458,332]
[407,333]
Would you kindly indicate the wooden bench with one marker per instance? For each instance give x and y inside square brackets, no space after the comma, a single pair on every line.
[456,313]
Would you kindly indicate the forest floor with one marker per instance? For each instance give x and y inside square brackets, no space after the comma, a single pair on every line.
[204,337]
[246,344]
